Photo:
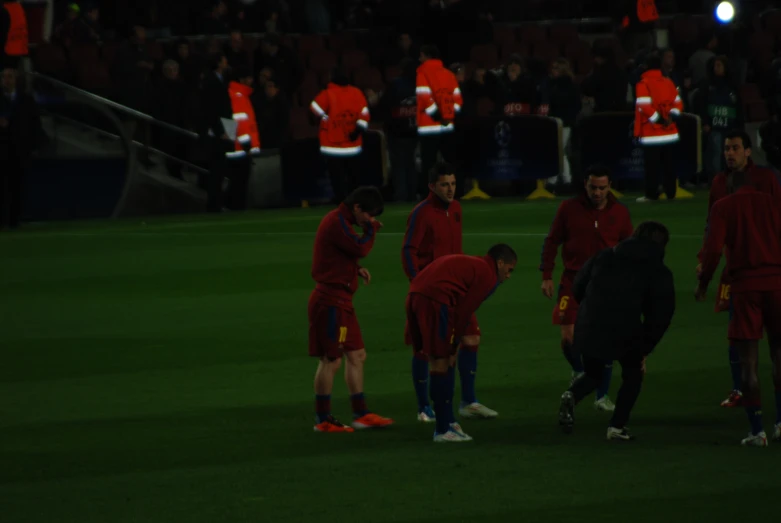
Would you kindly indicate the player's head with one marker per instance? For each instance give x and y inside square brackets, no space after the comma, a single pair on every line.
[243,75]
[654,232]
[736,180]
[653,61]
[505,258]
[737,149]
[366,203]
[442,181]
[597,181]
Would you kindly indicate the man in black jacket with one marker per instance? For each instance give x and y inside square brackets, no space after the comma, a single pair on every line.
[216,107]
[615,288]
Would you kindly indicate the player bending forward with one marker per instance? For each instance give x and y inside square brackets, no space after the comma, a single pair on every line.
[434,230]
[748,224]
[333,327]
[441,300]
[583,226]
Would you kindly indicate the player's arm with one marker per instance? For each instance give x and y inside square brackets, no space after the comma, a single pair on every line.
[644,104]
[350,243]
[550,246]
[480,289]
[362,123]
[658,309]
[714,245]
[413,239]
[425,96]
[582,278]
[458,99]
[677,108]
[320,106]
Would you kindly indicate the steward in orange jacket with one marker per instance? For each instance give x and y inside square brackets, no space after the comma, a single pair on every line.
[239,165]
[657,108]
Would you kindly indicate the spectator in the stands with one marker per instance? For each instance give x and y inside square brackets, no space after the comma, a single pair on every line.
[698,62]
[170,105]
[272,112]
[238,57]
[607,85]
[66,32]
[132,69]
[273,54]
[216,108]
[93,32]
[719,107]
[404,49]
[517,90]
[481,84]
[216,20]
[190,65]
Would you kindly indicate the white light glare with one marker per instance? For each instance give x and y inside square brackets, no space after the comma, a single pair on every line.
[725,12]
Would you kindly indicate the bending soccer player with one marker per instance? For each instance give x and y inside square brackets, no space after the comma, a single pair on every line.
[748,224]
[615,288]
[583,226]
[333,327]
[434,230]
[737,153]
[441,301]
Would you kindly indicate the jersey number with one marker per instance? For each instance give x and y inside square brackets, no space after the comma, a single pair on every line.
[342,334]
[563,303]
[724,293]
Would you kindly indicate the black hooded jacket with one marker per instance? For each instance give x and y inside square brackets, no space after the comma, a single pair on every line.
[627,300]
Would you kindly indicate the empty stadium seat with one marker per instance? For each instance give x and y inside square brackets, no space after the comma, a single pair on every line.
[354,59]
[519,48]
[307,44]
[341,42]
[83,53]
[321,60]
[368,78]
[530,34]
[545,51]
[503,35]
[757,111]
[485,54]
[564,33]
[577,49]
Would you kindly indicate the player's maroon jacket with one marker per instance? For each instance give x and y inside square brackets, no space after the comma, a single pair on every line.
[583,231]
[748,224]
[433,230]
[459,281]
[337,251]
[762,178]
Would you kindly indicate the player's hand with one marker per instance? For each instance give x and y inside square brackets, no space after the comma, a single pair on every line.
[547,288]
[365,275]
[698,270]
[700,293]
[642,365]
[377,222]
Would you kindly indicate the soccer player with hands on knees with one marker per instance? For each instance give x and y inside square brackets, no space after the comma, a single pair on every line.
[747,223]
[334,333]
[737,154]
[434,229]
[441,301]
[583,226]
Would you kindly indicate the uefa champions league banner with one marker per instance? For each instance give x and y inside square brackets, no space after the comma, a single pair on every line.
[526,147]
[608,139]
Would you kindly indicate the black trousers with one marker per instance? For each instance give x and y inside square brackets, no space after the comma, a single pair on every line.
[431,145]
[631,383]
[345,174]
[659,163]
[217,169]
[11,175]
[238,172]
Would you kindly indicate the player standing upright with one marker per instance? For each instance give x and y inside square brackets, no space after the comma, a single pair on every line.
[333,327]
[434,229]
[748,224]
[737,153]
[441,301]
[583,226]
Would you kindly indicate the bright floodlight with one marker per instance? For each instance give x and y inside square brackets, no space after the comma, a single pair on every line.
[725,12]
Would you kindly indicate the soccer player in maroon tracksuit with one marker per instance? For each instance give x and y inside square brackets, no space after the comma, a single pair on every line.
[748,224]
[441,301]
[434,229]
[583,226]
[333,326]
[737,153]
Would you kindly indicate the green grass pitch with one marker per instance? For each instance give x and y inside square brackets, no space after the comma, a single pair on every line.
[157,372]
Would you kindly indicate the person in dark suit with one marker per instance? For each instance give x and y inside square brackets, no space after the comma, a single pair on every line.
[615,289]
[216,105]
[20,133]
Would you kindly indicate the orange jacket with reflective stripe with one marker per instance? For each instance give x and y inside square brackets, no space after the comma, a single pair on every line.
[646,13]
[244,114]
[657,100]
[17,42]
[437,91]
[341,108]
